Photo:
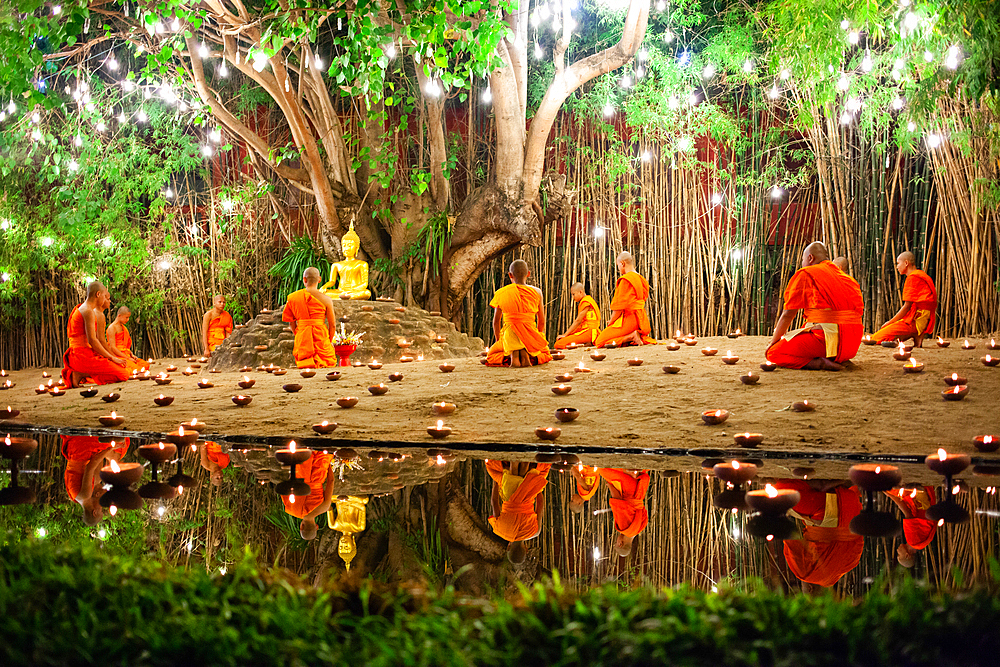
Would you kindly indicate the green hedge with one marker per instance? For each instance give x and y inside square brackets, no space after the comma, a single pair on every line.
[80,605]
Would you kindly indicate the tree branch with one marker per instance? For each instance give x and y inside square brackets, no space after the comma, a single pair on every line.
[440,187]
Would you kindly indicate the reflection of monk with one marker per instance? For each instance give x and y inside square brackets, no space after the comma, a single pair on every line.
[628,492]
[518,322]
[828,549]
[586,479]
[214,460]
[517,502]
[85,456]
[586,326]
[918,530]
[87,356]
[315,472]
[832,305]
[120,342]
[915,318]
[309,313]
[350,519]
[629,324]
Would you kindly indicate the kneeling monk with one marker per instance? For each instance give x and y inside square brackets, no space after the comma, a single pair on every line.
[833,307]
[85,456]
[586,326]
[916,318]
[120,342]
[87,357]
[315,472]
[214,460]
[308,312]
[519,308]
[629,324]
[918,530]
[587,479]
[516,503]
[628,490]
[216,325]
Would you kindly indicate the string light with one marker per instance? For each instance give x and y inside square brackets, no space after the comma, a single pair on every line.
[668,37]
[952,57]
[539,53]
[911,126]
[693,99]
[708,72]
[390,50]
[128,86]
[933,141]
[487,96]
[609,110]
[928,56]
[866,62]
[911,21]
[112,64]
[202,51]
[259,60]
[843,83]
[684,144]
[207,150]
[853,37]
[141,116]
[898,103]
[46,241]
[775,192]
[716,198]
[785,74]
[223,70]
[774,93]
[845,24]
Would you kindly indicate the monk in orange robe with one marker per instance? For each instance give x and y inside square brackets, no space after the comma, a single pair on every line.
[309,312]
[918,530]
[828,549]
[587,480]
[587,325]
[315,472]
[214,460]
[629,324]
[85,456]
[518,322]
[120,342]
[916,318]
[516,503]
[628,491]
[833,306]
[88,358]
[216,325]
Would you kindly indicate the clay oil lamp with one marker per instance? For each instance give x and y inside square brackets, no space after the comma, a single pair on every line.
[400,309]
[358,364]
[580,368]
[367,309]
[278,372]
[566,415]
[875,477]
[443,408]
[748,440]
[9,413]
[57,391]
[3,373]
[888,343]
[405,359]
[121,474]
[325,427]
[403,343]
[111,397]
[204,383]
[146,376]
[242,401]
[89,393]
[968,346]
[671,370]
[714,417]
[292,456]
[307,373]
[395,377]
[440,340]
[803,406]
[439,430]
[750,378]
[333,376]
[956,393]
[729,359]
[162,400]
[246,369]
[673,346]
[635,361]
[446,368]
[260,348]
[691,342]
[734,472]
[171,369]
[393,321]
[548,433]
[867,340]
[291,387]
[347,401]
[246,382]
[901,354]
[561,389]
[114,419]
[993,345]
[768,366]
[188,371]
[202,360]
[564,377]
[913,366]
[181,437]
[378,389]
[7,385]
[770,500]
[194,425]
[17,448]
[558,355]
[990,361]
[46,374]
[986,443]
[420,357]
[374,365]
[41,389]
[162,379]
[735,334]
[954,380]
[270,368]
[709,351]
[597,355]
[947,464]
[941,342]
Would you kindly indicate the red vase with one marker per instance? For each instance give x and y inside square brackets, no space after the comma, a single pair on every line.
[344,353]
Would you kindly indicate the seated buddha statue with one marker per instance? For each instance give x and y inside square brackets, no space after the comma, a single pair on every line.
[349,278]
[351,518]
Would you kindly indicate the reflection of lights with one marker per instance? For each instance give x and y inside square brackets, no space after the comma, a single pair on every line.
[46,241]
[102,534]
[736,254]
[161,510]
[41,533]
[597,554]
[933,140]
[163,265]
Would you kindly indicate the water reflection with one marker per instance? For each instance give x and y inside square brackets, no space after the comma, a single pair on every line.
[442,517]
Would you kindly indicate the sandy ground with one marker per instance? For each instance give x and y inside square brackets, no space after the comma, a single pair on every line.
[873,408]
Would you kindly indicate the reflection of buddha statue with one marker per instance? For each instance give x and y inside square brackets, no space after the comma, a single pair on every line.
[349,278]
[351,518]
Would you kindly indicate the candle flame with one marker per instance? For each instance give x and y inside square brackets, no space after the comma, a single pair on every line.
[180,430]
[114,466]
[878,469]
[580,365]
[180,489]
[440,460]
[718,413]
[162,446]
[291,498]
[992,342]
[940,522]
[113,510]
[913,493]
[770,538]
[420,357]
[942,455]
[912,362]
[738,332]
[940,340]
[324,423]
[736,465]
[988,358]
[246,378]
[954,377]
[440,424]
[771,491]
[966,344]
[113,415]
[955,489]
[41,387]
[194,447]
[986,440]
[729,353]
[291,447]
[901,493]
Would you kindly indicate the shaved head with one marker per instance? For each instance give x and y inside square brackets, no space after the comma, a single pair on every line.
[516,553]
[814,253]
[907,257]
[625,260]
[311,275]
[94,288]
[124,310]
[841,263]
[518,270]
[576,287]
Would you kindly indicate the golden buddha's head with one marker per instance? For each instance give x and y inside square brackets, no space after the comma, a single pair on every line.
[350,243]
[347,549]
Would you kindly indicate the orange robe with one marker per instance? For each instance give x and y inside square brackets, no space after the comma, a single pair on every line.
[82,359]
[591,325]
[591,476]
[630,511]
[520,305]
[517,519]
[631,292]
[313,472]
[828,549]
[77,449]
[919,290]
[123,342]
[218,329]
[831,300]
[313,348]
[215,454]
[917,528]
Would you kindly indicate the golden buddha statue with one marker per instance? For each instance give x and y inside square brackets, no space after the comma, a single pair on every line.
[351,518]
[349,278]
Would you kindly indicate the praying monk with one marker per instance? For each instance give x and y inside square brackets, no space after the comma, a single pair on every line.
[918,530]
[85,456]
[629,324]
[87,357]
[916,317]
[516,503]
[518,306]
[315,472]
[214,460]
[216,325]
[628,489]
[832,305]
[587,480]
[309,312]
[586,326]
[828,549]
[120,341]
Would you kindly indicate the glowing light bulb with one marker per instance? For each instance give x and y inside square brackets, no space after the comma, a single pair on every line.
[609,110]
[867,63]
[843,83]
[853,37]
[911,21]
[716,200]
[897,103]
[748,66]
[709,71]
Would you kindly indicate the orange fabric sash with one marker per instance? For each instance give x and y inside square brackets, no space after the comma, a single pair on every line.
[827,316]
